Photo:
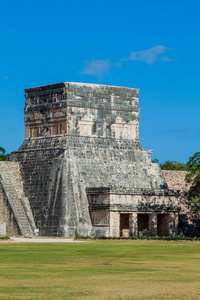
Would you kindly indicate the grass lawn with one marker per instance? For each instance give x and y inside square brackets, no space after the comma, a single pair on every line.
[101,270]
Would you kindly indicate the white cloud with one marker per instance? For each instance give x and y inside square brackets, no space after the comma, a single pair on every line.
[101,68]
[97,68]
[150,56]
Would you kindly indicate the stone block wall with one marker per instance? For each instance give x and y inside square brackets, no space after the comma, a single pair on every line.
[13,201]
[176,180]
[42,177]
[189,218]
[7,216]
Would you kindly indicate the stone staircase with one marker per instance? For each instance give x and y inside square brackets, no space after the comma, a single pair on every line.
[12,184]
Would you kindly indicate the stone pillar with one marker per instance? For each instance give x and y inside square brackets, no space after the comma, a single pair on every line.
[176,222]
[114,224]
[150,224]
[133,224]
[173,223]
[153,218]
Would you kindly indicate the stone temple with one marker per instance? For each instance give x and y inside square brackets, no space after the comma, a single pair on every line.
[82,168]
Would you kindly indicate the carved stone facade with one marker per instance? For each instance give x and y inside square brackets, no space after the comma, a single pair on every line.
[84,168]
[81,110]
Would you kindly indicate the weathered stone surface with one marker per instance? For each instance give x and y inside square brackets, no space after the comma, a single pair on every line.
[84,168]
[9,224]
[14,207]
[189,218]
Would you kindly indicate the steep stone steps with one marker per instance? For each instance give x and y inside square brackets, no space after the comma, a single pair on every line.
[13,187]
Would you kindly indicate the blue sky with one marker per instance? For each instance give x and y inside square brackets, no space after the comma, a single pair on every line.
[150,45]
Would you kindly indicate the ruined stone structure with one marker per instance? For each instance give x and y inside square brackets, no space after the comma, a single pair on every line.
[83,167]
[189,216]
[16,217]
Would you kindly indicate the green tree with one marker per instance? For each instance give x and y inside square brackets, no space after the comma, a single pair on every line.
[193,177]
[155,160]
[2,154]
[171,165]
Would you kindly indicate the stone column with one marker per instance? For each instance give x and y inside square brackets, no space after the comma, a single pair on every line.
[150,224]
[133,224]
[153,218]
[176,222]
[114,224]
[173,223]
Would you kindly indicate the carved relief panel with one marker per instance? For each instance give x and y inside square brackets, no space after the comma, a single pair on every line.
[123,130]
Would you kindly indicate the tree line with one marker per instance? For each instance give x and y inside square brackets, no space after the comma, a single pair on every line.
[171,165]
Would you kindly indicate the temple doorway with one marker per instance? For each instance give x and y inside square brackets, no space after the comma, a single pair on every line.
[143,224]
[124,225]
[163,224]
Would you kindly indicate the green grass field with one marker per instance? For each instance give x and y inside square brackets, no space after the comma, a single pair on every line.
[100,270]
